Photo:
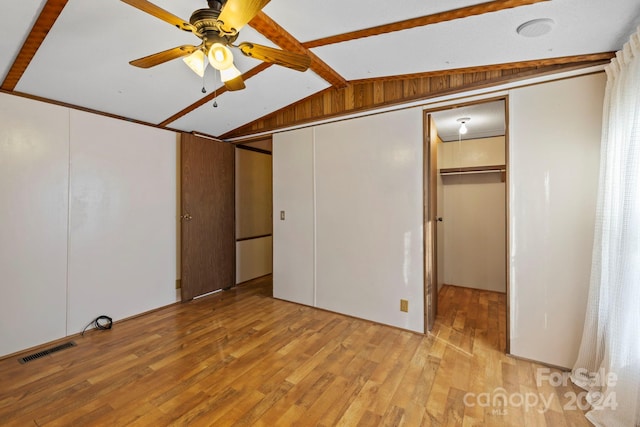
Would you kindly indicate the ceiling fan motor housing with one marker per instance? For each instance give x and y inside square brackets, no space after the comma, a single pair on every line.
[216,4]
[208,26]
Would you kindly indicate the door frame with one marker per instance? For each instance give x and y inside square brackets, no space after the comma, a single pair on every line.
[429,226]
[430,215]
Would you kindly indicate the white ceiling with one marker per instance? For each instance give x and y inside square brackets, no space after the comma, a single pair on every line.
[311,19]
[84,59]
[486,120]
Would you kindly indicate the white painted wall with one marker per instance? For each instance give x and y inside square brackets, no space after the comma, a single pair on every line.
[88,222]
[34,165]
[122,239]
[369,217]
[554,161]
[554,151]
[253,258]
[366,207]
[253,186]
[293,192]
[254,195]
[474,231]
[473,152]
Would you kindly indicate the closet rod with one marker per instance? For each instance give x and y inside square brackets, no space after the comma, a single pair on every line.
[470,172]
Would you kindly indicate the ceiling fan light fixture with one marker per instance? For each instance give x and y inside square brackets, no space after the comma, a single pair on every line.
[220,56]
[217,26]
[197,61]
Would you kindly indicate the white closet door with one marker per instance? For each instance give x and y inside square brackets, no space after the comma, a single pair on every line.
[554,156]
[293,237]
[369,245]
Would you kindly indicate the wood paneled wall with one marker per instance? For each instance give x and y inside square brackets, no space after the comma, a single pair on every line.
[363,95]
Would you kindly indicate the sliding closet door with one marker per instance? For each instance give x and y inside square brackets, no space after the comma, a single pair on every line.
[208,216]
[293,216]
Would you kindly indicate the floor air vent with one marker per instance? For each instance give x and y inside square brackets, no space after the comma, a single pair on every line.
[46,352]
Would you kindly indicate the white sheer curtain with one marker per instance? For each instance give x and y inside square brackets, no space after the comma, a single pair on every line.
[608,365]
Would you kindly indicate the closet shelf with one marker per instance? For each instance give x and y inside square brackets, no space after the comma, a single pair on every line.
[473,169]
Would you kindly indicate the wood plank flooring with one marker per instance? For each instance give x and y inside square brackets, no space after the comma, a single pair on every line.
[241,357]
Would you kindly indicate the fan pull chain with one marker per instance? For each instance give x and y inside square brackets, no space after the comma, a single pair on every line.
[204,69]
[215,89]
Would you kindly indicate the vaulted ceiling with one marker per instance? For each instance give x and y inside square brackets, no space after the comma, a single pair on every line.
[364,55]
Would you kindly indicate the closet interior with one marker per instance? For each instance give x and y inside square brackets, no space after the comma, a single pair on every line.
[471,196]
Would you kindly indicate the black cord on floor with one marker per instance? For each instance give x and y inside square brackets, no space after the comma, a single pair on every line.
[100,322]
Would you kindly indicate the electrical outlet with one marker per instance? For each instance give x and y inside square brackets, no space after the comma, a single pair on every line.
[404,305]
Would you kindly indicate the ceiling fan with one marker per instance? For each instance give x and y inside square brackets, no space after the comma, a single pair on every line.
[217,26]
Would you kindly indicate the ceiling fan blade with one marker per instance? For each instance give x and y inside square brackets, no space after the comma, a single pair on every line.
[295,61]
[235,84]
[164,56]
[160,13]
[237,13]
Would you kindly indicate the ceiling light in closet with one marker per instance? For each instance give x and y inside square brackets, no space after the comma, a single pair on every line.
[463,125]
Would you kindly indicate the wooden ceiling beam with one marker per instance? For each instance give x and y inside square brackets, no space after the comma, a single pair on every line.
[278,35]
[449,15]
[39,31]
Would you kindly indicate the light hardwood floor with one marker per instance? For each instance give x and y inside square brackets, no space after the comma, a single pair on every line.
[241,357]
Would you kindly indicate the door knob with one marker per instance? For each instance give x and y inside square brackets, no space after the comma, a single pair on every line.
[186,217]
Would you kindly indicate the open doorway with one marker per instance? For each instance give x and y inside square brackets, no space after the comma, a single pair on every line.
[466,202]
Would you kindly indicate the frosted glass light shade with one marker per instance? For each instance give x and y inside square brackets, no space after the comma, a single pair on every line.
[220,57]
[197,61]
[229,73]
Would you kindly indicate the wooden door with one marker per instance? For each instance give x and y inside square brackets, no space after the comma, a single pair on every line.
[208,216]
[430,150]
